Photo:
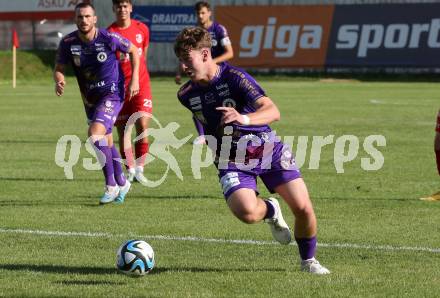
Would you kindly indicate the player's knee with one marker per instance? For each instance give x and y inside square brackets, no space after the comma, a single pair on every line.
[304,211]
[142,123]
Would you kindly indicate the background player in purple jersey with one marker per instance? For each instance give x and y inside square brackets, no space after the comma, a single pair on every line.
[221,49]
[92,54]
[234,110]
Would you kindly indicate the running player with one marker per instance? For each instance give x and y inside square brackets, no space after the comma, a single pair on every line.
[92,54]
[221,50]
[139,35]
[234,111]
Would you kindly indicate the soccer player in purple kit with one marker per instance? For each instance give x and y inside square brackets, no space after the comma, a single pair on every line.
[221,49]
[92,54]
[232,106]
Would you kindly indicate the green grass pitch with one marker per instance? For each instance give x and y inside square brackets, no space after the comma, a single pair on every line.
[375,236]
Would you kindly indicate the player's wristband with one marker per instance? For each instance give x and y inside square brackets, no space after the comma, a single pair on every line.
[246,120]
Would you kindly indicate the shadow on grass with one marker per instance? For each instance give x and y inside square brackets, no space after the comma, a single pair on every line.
[31,203]
[59,269]
[161,270]
[353,199]
[161,197]
[92,201]
[113,271]
[89,283]
[48,179]
[28,142]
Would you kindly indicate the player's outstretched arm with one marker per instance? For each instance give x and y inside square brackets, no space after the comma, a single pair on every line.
[133,87]
[266,113]
[178,78]
[58,76]
[227,55]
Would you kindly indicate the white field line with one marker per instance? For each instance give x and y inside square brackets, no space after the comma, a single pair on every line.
[212,240]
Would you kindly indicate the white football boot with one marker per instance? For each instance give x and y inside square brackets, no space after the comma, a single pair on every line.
[312,266]
[139,175]
[123,190]
[280,229]
[110,194]
[130,174]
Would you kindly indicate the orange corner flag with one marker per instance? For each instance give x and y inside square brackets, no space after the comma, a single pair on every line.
[15,42]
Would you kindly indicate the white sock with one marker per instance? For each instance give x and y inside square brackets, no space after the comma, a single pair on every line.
[112,189]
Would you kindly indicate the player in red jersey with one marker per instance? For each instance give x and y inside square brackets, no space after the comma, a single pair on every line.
[436,196]
[139,35]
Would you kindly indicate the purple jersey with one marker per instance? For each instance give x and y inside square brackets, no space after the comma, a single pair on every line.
[95,64]
[231,87]
[220,39]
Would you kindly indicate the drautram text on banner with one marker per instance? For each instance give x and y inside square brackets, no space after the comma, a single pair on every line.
[165,22]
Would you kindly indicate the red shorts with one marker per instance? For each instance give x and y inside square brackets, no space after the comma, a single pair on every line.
[437,128]
[140,103]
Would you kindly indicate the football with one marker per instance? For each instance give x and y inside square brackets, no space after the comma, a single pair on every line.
[135,258]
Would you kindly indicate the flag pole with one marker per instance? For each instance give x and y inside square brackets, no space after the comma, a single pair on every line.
[15,45]
[14,66]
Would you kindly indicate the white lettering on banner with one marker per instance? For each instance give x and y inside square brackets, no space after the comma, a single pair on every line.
[168,18]
[287,39]
[51,3]
[393,36]
[37,5]
[57,3]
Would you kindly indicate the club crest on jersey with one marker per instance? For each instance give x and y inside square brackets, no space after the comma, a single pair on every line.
[139,38]
[102,56]
[229,102]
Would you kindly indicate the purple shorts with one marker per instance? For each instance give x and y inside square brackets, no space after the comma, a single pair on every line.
[274,168]
[105,111]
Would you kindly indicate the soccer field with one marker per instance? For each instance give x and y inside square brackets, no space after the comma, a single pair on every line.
[375,236]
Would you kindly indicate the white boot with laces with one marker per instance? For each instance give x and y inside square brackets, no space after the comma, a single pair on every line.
[312,266]
[280,229]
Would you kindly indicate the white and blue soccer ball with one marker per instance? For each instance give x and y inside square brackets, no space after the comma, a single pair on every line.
[135,258]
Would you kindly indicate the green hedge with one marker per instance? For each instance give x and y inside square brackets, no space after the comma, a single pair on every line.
[31,65]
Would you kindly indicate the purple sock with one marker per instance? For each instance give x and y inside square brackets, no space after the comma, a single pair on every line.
[307,247]
[270,210]
[119,173]
[107,168]
[199,127]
